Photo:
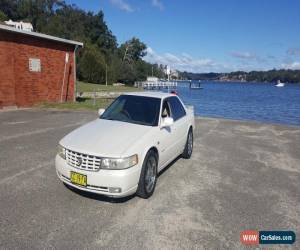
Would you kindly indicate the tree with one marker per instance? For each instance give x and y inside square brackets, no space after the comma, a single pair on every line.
[99,32]
[101,52]
[9,8]
[92,65]
[132,50]
[132,68]
[3,17]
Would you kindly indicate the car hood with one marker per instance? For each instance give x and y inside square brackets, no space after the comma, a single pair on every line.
[104,138]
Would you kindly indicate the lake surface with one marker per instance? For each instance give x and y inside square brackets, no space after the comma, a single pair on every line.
[261,102]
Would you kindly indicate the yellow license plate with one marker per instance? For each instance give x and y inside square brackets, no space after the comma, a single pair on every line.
[78,179]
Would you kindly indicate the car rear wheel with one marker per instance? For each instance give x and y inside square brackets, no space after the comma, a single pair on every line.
[188,150]
[148,176]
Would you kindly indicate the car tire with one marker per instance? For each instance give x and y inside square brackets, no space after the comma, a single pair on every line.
[148,175]
[188,149]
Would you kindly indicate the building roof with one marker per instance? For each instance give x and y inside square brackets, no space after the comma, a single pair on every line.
[39,35]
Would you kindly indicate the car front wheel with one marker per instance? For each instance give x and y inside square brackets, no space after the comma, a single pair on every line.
[148,176]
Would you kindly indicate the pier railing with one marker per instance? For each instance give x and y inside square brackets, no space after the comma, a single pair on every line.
[156,85]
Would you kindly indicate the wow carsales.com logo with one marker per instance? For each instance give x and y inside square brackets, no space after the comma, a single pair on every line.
[251,237]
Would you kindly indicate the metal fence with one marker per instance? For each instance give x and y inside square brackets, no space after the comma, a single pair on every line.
[156,85]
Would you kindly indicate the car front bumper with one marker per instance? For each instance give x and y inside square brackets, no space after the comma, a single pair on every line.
[103,182]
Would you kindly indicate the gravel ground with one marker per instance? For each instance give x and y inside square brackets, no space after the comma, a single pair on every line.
[242,176]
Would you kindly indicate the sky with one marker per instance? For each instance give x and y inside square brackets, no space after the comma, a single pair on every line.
[208,36]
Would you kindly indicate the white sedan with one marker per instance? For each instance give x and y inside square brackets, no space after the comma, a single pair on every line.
[122,151]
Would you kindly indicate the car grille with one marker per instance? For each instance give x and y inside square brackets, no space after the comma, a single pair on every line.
[83,161]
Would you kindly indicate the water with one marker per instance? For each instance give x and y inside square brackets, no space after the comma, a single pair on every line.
[261,102]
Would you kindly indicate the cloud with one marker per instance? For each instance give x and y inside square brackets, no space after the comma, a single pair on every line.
[248,56]
[292,65]
[122,5]
[293,52]
[158,4]
[243,55]
[184,62]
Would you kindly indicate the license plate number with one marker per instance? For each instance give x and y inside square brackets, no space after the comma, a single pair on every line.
[78,179]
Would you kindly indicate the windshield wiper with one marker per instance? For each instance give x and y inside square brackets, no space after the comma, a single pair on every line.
[140,123]
[110,119]
[128,121]
[114,119]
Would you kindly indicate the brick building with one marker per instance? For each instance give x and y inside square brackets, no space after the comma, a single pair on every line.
[35,68]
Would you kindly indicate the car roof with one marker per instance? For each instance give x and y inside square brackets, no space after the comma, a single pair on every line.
[156,94]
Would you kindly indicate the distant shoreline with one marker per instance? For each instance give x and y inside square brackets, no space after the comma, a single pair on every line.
[254,81]
[270,76]
[235,81]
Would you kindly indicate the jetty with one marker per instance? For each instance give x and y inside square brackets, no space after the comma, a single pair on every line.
[195,85]
[156,85]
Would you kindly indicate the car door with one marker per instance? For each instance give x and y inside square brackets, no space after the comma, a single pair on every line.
[167,143]
[180,124]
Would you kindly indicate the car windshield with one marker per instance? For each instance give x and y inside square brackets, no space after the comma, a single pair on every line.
[141,110]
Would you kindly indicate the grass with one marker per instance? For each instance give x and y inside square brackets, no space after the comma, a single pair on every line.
[91,87]
[81,104]
[89,103]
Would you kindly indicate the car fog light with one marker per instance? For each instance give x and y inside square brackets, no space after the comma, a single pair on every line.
[114,190]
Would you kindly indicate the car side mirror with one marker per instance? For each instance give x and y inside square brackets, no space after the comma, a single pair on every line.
[167,122]
[101,111]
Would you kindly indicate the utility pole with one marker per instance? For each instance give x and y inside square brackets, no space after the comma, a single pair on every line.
[106,74]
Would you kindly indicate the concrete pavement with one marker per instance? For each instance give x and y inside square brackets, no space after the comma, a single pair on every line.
[241,176]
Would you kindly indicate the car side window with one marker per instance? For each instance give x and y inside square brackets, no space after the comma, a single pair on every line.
[177,109]
[165,110]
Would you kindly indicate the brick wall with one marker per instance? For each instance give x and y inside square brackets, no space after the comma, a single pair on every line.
[21,87]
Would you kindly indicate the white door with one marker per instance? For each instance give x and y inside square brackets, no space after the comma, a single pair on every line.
[167,142]
[180,123]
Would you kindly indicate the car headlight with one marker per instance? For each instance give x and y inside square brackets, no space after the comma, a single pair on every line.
[61,152]
[119,163]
